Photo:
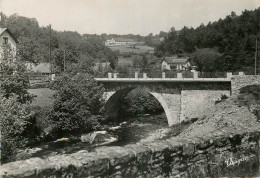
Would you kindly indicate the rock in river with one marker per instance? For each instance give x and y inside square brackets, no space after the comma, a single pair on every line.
[98,137]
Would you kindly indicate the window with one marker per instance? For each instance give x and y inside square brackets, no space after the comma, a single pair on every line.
[5,40]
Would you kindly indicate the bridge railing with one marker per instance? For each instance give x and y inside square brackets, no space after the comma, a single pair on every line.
[171,74]
[212,75]
[174,75]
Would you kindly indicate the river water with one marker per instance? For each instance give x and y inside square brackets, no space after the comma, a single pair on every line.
[147,129]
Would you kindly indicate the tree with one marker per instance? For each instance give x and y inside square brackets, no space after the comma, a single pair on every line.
[17,125]
[77,106]
[17,122]
[29,50]
[12,77]
[162,34]
[66,55]
[207,60]
[35,42]
[233,36]
[145,65]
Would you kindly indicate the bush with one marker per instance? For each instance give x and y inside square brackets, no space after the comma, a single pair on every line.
[42,120]
[77,106]
[17,124]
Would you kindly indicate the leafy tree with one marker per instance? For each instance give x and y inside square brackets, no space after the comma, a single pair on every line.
[29,50]
[12,77]
[67,54]
[77,107]
[234,37]
[35,42]
[17,125]
[17,122]
[206,60]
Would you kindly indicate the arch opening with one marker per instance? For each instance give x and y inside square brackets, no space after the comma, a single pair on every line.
[132,103]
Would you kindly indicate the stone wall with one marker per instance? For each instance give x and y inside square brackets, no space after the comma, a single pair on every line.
[239,81]
[226,156]
[196,103]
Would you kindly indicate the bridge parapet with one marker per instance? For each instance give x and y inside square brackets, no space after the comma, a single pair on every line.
[180,77]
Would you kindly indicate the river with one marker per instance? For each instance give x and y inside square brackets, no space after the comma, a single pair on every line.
[147,129]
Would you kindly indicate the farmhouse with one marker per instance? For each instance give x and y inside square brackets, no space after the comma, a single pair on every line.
[7,40]
[119,41]
[175,63]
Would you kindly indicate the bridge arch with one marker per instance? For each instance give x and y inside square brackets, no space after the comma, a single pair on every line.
[114,99]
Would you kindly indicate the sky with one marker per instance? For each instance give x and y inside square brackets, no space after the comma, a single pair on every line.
[124,16]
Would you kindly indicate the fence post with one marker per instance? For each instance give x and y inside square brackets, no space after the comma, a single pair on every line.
[52,77]
[229,75]
[144,75]
[241,73]
[115,75]
[195,75]
[179,75]
[163,74]
[136,74]
[109,75]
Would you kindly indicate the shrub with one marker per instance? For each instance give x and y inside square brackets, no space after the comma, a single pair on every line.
[17,125]
[17,122]
[77,106]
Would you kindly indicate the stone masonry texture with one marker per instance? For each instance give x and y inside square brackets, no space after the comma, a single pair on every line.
[176,157]
[239,81]
[196,103]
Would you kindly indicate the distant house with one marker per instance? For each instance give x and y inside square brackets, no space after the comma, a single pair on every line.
[99,66]
[119,41]
[7,39]
[161,39]
[42,68]
[175,63]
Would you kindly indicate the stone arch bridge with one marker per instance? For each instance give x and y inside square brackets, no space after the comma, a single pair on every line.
[181,98]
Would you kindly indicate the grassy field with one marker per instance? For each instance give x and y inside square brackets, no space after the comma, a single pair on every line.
[42,105]
[136,50]
[128,61]
[44,97]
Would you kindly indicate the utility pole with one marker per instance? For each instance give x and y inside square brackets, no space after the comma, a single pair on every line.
[64,59]
[50,49]
[255,55]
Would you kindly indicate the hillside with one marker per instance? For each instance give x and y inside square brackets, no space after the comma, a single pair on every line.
[35,43]
[230,42]
[238,114]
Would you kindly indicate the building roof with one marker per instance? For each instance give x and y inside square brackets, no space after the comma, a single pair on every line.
[2,30]
[42,67]
[169,60]
[175,60]
[180,61]
[124,39]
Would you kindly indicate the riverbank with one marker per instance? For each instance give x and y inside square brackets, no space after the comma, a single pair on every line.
[147,128]
[171,157]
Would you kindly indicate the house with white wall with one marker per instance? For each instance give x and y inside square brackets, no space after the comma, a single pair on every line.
[119,42]
[7,41]
[175,63]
